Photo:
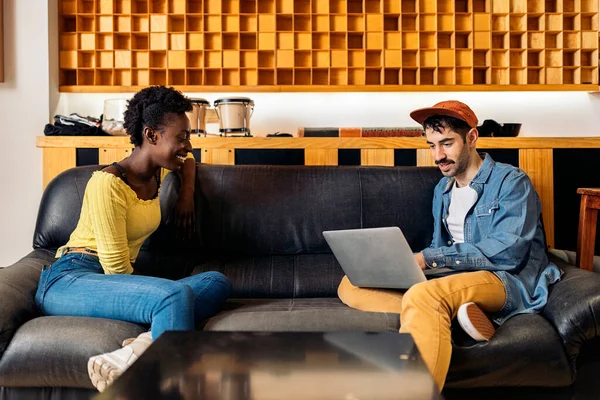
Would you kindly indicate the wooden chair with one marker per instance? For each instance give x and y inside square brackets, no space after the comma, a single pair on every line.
[588,218]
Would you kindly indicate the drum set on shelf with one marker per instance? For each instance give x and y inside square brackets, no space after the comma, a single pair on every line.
[234,115]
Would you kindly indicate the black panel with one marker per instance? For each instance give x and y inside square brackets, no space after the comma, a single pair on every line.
[507,156]
[349,157]
[573,169]
[405,157]
[197,154]
[86,157]
[269,157]
[321,132]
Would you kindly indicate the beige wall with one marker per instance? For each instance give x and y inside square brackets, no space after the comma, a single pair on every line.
[24,110]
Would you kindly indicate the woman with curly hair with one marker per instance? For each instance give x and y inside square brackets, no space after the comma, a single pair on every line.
[94,275]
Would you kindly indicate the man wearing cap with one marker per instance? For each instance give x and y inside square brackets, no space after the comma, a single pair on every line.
[487,229]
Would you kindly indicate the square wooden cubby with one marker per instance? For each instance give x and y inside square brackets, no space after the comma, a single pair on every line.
[338,43]
[140,77]
[213,77]
[266,59]
[409,76]
[103,77]
[123,77]
[356,58]
[248,23]
[468,58]
[194,59]
[140,59]
[356,23]
[176,77]
[391,76]
[140,23]
[105,59]
[231,77]
[373,76]
[409,58]
[302,76]
[249,77]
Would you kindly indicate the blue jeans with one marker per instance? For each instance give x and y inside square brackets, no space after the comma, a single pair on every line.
[75,285]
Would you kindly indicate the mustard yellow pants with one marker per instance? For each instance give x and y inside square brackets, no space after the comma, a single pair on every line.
[427,309]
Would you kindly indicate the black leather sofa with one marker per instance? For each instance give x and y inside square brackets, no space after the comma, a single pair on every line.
[261,226]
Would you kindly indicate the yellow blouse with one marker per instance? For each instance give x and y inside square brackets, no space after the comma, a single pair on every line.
[114,222]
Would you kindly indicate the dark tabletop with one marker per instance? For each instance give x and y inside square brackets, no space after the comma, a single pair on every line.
[277,365]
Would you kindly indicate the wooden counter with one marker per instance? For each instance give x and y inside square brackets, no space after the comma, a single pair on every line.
[535,154]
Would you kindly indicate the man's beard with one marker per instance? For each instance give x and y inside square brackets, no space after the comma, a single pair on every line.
[461,165]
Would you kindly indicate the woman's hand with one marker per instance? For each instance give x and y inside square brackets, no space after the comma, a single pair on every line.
[184,216]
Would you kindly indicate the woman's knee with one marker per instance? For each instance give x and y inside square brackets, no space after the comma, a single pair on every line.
[178,294]
[215,283]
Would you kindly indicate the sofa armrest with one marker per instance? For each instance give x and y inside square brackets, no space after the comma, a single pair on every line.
[18,284]
[574,308]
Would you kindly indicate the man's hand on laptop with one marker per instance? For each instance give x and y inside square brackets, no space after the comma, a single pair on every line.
[420,260]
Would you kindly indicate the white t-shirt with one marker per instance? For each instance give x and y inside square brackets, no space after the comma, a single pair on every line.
[461,201]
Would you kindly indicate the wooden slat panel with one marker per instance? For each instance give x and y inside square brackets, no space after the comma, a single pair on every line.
[383,157]
[425,158]
[109,155]
[55,161]
[324,143]
[218,156]
[84,141]
[321,157]
[538,165]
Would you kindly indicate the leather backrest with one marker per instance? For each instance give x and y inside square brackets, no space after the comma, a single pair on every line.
[263,210]
[267,210]
[60,207]
[62,199]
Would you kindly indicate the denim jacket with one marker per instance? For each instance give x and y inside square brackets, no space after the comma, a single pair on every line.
[504,234]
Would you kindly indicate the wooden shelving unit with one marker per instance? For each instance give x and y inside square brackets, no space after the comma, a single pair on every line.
[275,45]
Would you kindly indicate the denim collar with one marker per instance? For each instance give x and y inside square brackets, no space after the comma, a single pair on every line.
[481,176]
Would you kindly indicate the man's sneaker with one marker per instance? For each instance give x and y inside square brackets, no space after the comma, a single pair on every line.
[475,323]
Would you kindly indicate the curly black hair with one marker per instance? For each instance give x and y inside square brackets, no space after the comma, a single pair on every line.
[439,122]
[149,107]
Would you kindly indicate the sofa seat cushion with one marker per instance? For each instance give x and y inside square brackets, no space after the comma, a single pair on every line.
[525,351]
[53,351]
[308,315]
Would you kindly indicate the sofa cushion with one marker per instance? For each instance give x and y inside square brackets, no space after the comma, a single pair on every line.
[53,351]
[18,284]
[300,315]
[525,351]
[279,276]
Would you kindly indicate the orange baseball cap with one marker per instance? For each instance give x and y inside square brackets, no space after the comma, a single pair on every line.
[451,108]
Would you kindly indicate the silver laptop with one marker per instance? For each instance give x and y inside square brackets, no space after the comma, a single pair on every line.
[377,257]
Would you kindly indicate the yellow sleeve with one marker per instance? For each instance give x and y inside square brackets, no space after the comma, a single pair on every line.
[108,208]
[164,171]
